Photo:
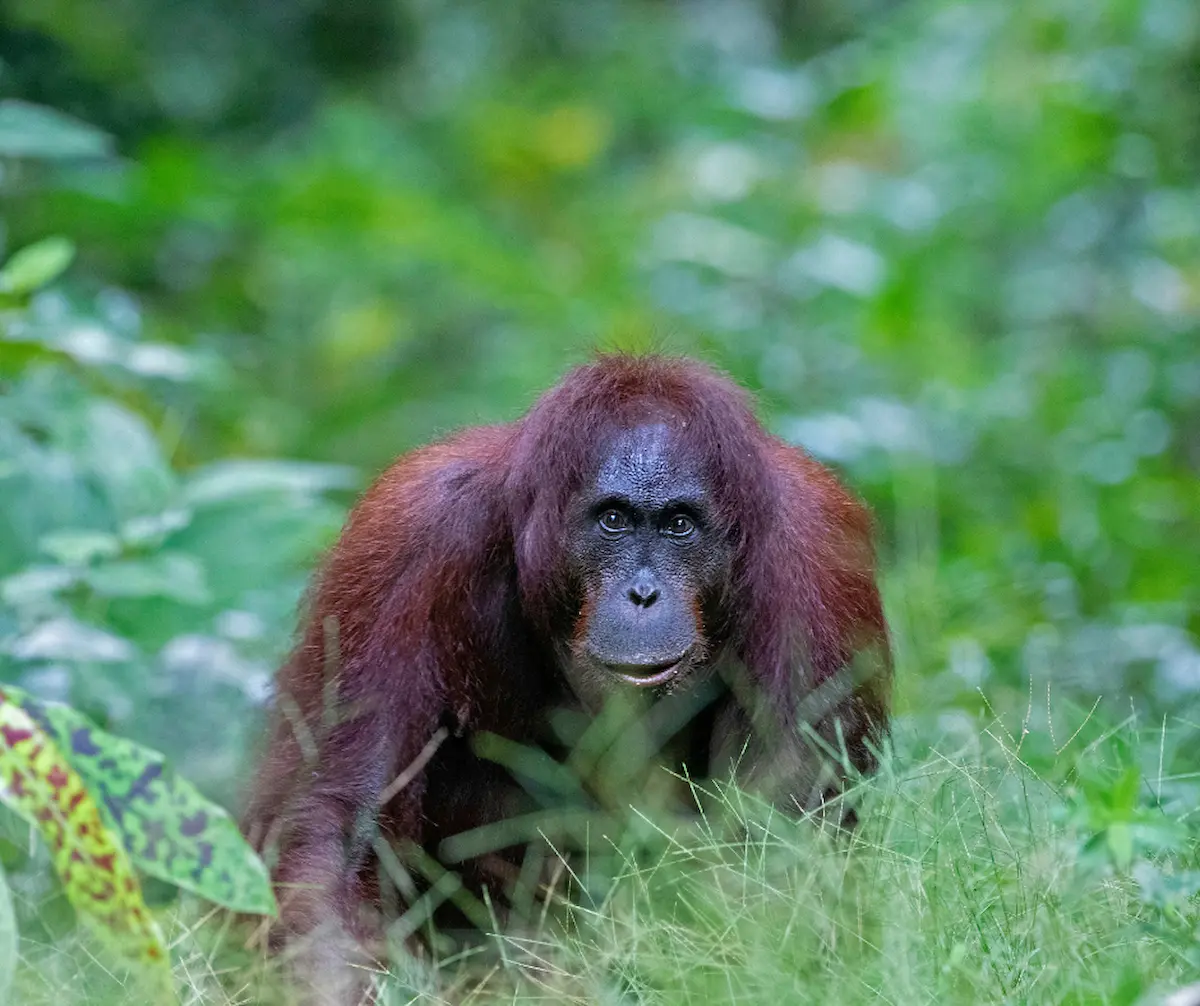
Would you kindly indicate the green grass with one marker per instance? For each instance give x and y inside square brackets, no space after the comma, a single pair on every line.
[972,878]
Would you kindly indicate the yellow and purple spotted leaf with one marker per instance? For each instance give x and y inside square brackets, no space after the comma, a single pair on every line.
[169,829]
[97,876]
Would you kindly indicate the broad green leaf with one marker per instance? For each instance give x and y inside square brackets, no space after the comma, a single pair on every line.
[97,875]
[167,574]
[170,830]
[227,480]
[35,584]
[152,529]
[120,449]
[36,265]
[28,130]
[8,940]
[78,547]
[66,639]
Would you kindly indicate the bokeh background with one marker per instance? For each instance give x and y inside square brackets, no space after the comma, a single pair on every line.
[952,248]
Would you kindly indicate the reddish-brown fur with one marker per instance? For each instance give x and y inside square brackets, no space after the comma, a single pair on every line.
[439,606]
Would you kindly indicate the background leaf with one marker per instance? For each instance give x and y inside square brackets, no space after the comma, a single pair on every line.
[34,131]
[36,265]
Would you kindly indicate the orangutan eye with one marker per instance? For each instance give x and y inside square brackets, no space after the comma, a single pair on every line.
[680,526]
[614,520]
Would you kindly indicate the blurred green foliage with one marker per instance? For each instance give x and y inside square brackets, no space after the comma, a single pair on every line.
[954,248]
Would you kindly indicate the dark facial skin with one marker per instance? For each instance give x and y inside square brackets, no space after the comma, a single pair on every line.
[648,556]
